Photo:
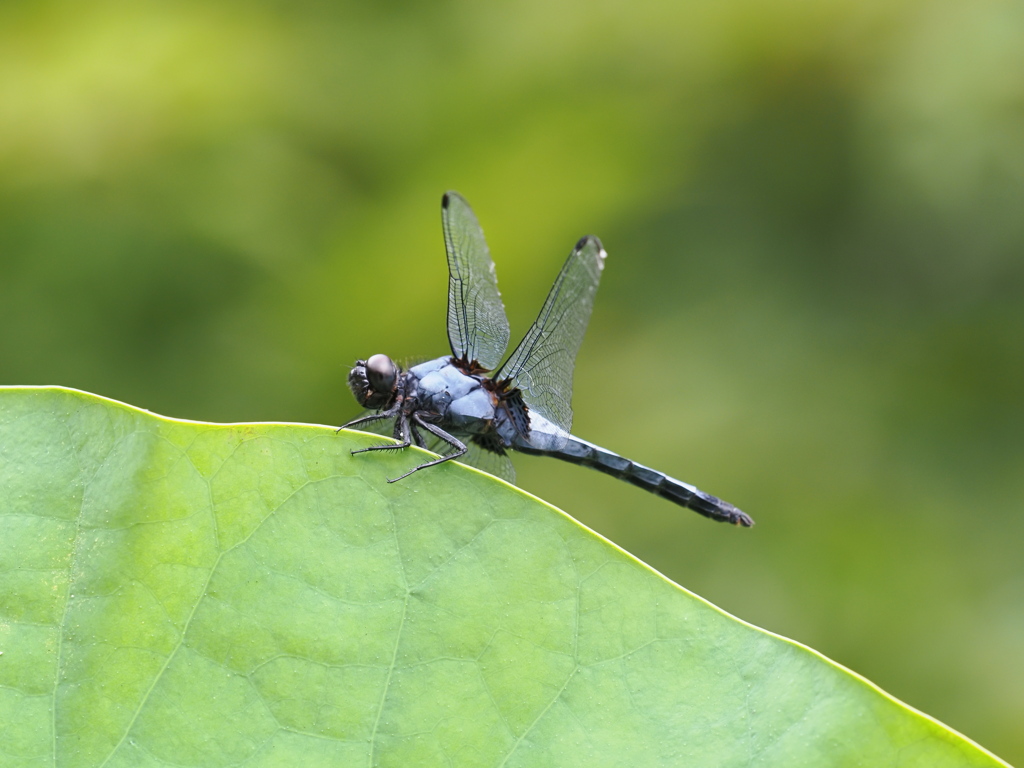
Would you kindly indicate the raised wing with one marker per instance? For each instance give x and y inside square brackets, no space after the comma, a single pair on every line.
[542,365]
[477,326]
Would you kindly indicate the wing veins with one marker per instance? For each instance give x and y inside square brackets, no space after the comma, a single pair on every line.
[477,326]
[542,365]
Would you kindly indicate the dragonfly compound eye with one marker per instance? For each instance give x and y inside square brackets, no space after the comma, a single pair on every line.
[381,373]
[374,382]
[358,384]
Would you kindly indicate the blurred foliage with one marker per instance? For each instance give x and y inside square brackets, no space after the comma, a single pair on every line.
[813,307]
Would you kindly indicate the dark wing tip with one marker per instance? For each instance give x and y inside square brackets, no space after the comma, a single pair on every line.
[587,239]
[448,196]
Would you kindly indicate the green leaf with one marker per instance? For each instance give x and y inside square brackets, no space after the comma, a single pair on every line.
[182,593]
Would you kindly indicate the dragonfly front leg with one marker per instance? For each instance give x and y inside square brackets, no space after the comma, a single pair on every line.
[388,414]
[460,447]
[401,435]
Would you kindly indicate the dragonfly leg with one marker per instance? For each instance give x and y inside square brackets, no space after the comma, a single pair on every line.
[418,438]
[401,435]
[460,448]
[370,417]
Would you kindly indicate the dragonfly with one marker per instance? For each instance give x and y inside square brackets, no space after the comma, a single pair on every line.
[470,405]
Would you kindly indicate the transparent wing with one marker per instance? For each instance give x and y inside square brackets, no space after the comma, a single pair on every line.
[477,326]
[496,464]
[542,365]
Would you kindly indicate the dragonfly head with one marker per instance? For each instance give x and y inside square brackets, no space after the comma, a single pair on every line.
[374,381]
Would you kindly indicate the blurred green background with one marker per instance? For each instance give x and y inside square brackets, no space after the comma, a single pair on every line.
[813,304]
